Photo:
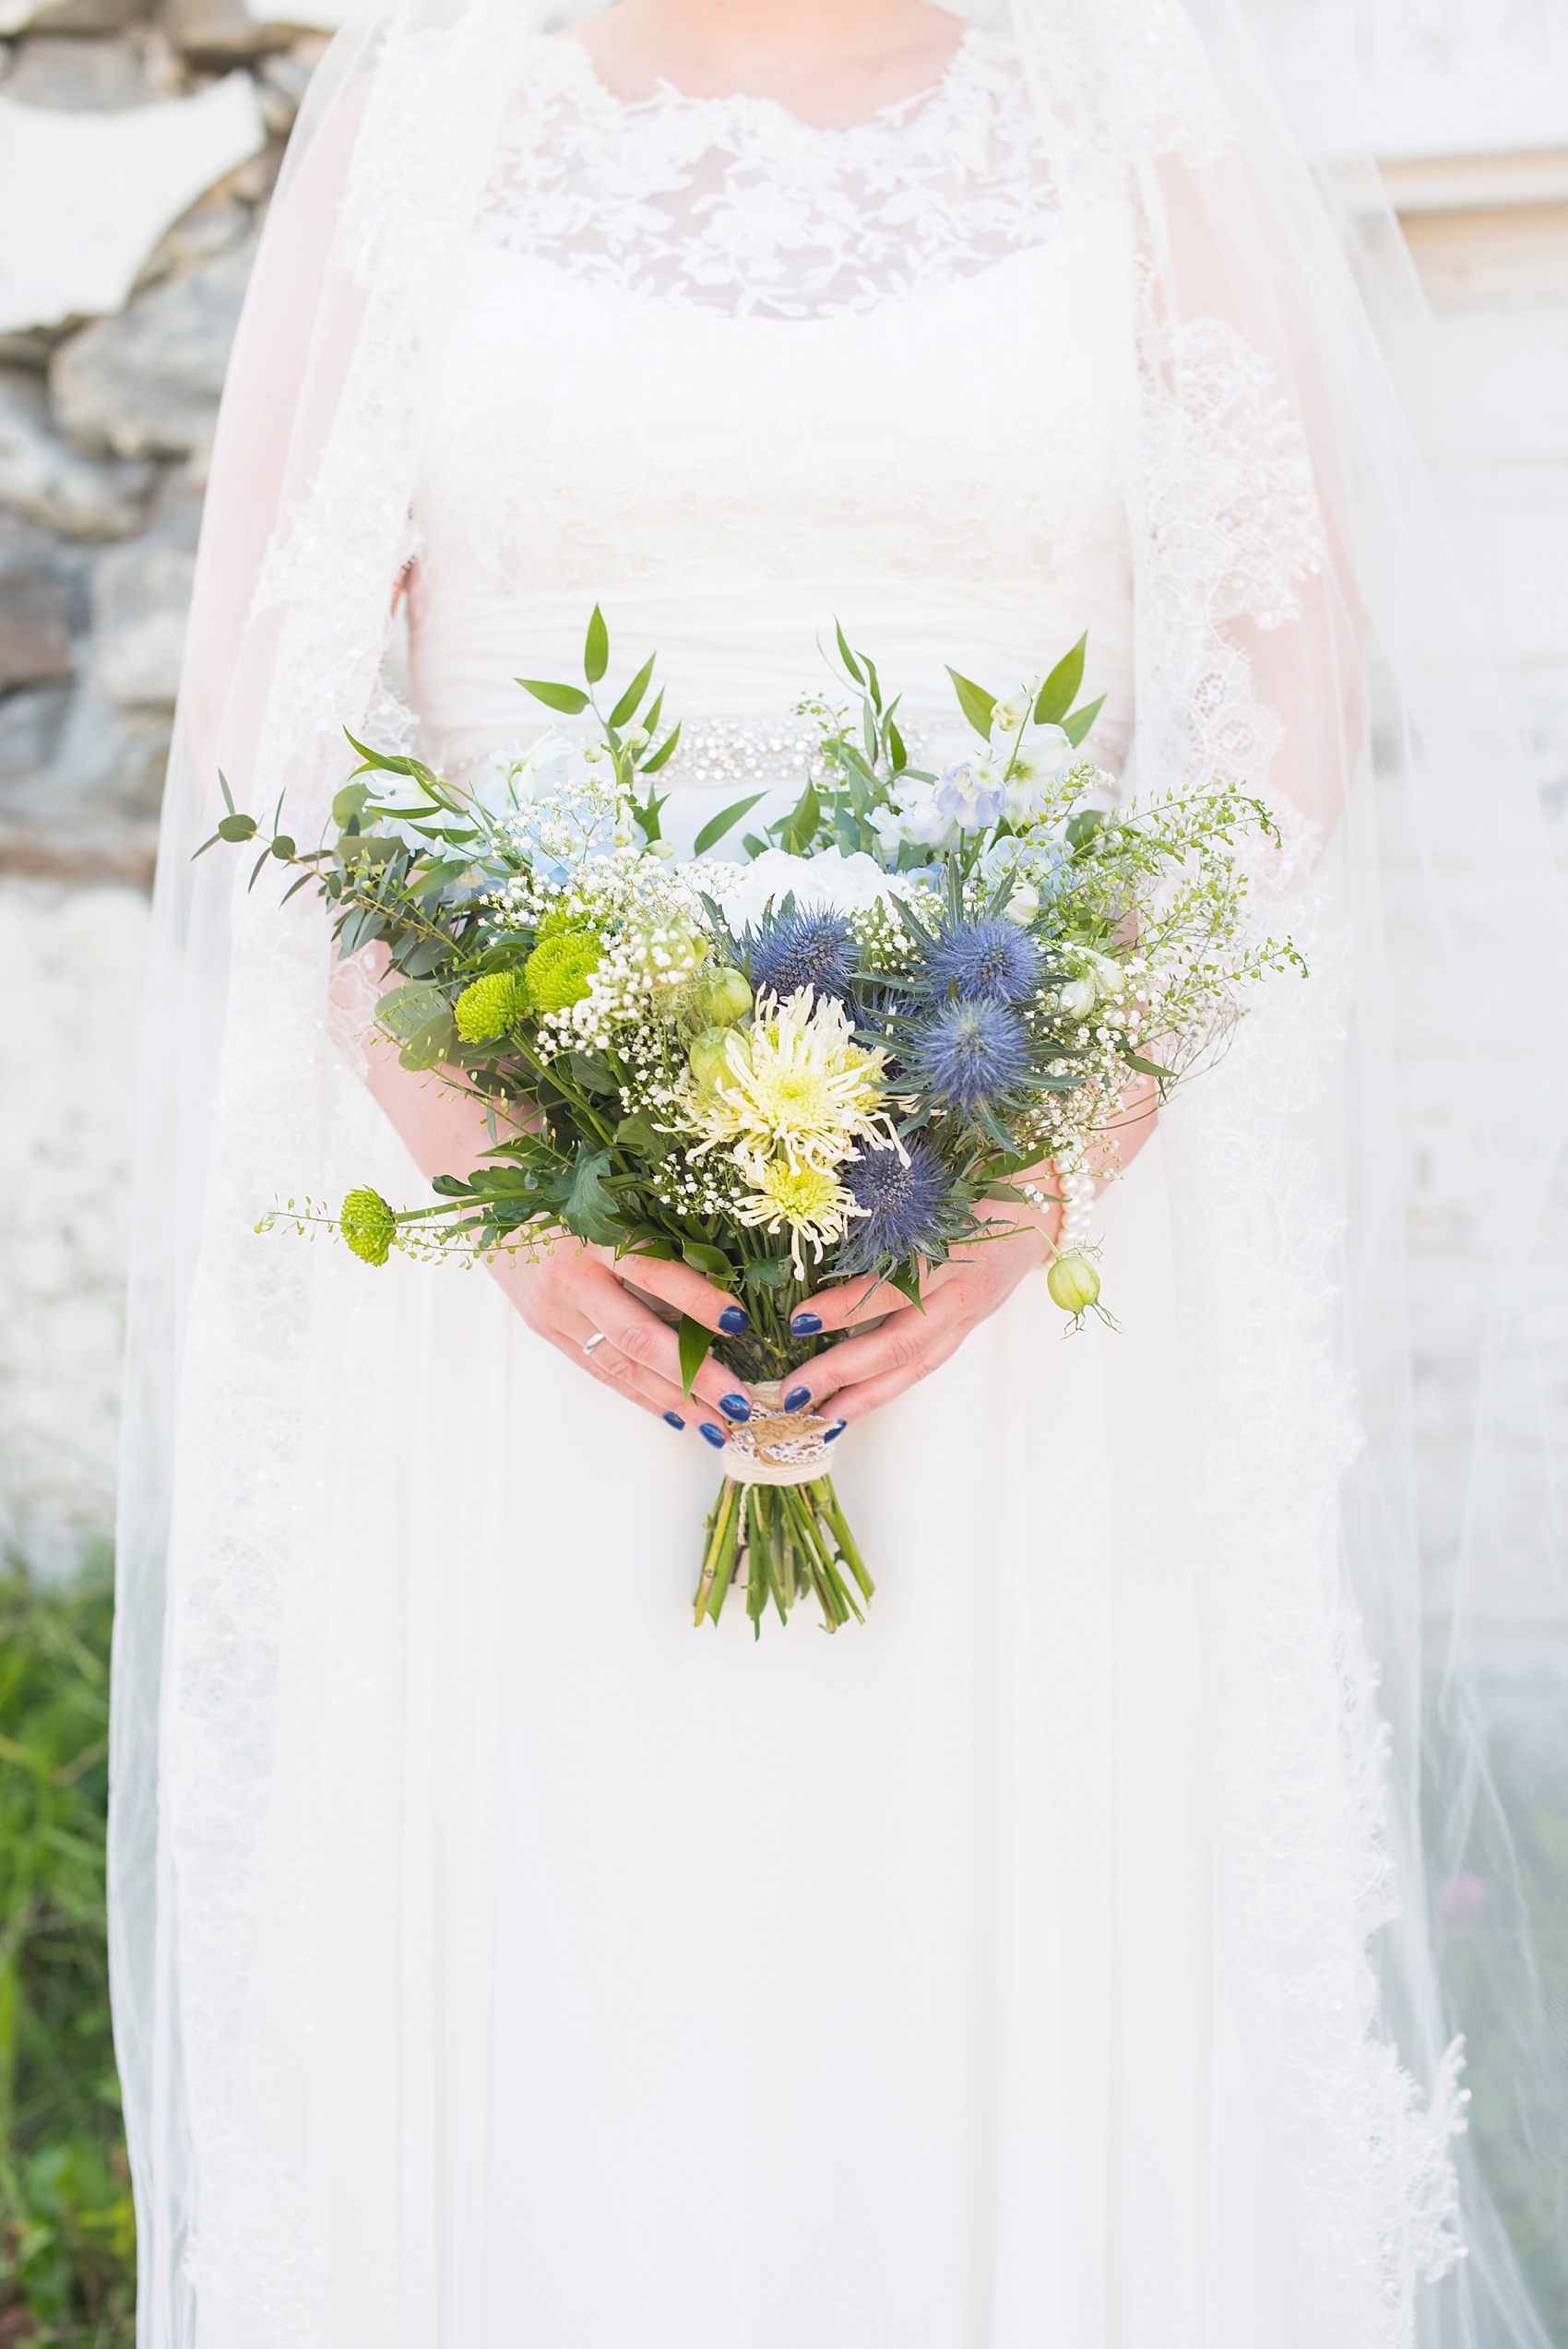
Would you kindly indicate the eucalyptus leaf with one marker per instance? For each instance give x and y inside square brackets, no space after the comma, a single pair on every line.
[403,1011]
[442,876]
[426,958]
[430,1045]
[768,1272]
[350,805]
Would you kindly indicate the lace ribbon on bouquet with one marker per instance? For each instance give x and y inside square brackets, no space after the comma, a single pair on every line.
[776,1446]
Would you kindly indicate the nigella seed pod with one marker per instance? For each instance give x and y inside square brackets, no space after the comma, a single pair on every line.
[1073,1283]
[709,1056]
[725,996]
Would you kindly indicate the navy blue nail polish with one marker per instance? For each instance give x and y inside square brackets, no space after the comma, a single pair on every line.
[674,1419]
[797,1398]
[710,1434]
[834,1431]
[805,1325]
[734,1406]
[733,1319]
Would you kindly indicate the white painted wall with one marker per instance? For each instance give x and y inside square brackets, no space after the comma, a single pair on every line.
[71,966]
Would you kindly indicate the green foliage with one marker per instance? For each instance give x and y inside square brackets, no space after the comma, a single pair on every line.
[67,2236]
[1505,1968]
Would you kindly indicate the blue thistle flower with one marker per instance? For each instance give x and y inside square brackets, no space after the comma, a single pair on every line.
[814,949]
[908,1202]
[989,960]
[968,1054]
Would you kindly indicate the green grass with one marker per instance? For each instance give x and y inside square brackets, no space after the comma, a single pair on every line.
[1507,1975]
[68,2237]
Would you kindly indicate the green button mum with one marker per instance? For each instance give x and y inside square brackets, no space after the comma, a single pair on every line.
[369,1225]
[558,971]
[490,1006]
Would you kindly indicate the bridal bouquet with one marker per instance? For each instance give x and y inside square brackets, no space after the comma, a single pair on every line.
[920,993]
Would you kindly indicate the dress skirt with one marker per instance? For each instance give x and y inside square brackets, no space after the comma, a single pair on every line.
[616,1984]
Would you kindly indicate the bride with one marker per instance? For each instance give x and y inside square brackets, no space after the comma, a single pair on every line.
[498,1961]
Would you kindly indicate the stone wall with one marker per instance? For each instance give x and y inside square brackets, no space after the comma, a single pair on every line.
[138,145]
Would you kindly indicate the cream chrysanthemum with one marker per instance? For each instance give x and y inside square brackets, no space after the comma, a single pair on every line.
[795,1086]
[811,1205]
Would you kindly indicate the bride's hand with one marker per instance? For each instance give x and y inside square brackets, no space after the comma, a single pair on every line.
[568,1295]
[860,1373]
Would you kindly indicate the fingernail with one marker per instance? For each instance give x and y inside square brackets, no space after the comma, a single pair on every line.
[804,1325]
[734,1406]
[797,1397]
[674,1419]
[733,1319]
[834,1431]
[710,1434]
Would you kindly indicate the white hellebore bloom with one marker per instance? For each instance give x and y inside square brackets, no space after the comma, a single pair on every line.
[844,884]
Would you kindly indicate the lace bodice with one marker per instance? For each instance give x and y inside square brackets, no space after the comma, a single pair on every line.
[735,204]
[733,376]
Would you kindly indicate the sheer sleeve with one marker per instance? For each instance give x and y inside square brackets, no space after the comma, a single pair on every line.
[1256,499]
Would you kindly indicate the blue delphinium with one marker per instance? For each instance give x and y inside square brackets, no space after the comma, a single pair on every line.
[814,949]
[907,1199]
[968,1055]
[988,960]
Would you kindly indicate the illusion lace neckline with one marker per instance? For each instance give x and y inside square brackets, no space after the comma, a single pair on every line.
[736,204]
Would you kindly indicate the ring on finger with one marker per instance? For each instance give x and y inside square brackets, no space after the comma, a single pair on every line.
[596,1339]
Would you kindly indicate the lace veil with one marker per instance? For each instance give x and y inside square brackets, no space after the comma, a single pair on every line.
[1299,625]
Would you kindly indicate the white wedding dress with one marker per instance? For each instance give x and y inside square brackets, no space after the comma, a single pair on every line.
[861,1992]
